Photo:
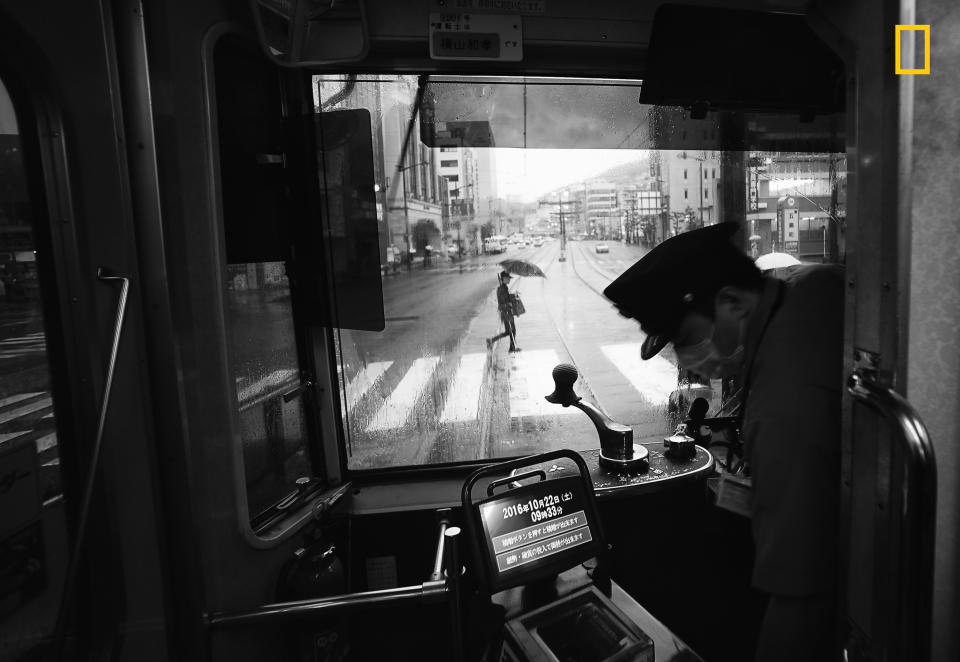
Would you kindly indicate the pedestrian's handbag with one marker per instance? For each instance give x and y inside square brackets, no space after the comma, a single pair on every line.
[518,307]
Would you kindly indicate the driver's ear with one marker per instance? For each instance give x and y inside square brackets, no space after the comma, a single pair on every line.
[731,300]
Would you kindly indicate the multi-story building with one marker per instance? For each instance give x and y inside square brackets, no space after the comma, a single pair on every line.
[686,170]
[459,171]
[690,184]
[628,205]
[419,194]
[601,209]
[796,202]
[652,217]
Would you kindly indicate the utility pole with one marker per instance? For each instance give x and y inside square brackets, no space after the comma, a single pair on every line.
[406,216]
[701,191]
[563,231]
[563,226]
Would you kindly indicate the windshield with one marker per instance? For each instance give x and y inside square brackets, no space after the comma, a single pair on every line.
[460,370]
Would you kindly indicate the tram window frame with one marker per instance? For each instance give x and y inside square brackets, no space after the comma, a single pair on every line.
[293,507]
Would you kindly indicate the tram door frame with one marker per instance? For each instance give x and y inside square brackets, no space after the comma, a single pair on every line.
[67,76]
[880,134]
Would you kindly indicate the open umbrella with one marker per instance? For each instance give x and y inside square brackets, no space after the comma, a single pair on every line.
[775,261]
[522,268]
[754,237]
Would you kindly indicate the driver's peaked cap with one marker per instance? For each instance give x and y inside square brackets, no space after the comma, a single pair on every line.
[661,287]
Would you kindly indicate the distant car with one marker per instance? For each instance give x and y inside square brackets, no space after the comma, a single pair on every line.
[601,248]
[538,243]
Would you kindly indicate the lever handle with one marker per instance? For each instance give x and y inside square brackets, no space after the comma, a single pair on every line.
[616,439]
[564,376]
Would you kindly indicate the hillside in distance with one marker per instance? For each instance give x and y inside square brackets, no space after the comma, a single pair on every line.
[626,173]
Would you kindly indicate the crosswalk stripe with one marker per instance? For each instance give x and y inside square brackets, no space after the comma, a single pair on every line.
[273,379]
[654,379]
[7,436]
[394,412]
[364,380]
[6,417]
[530,381]
[9,400]
[463,398]
[46,442]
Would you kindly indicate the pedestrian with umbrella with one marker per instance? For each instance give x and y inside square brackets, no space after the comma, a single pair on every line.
[510,305]
[522,268]
[506,307]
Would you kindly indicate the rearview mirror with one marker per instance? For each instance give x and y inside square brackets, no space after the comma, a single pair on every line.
[306,33]
[533,113]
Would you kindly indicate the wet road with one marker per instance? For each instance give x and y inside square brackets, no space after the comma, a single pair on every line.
[427,389]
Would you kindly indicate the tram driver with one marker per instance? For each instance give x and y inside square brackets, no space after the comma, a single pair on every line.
[784,336]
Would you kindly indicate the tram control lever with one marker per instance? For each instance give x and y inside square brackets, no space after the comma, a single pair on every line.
[682,443]
[617,450]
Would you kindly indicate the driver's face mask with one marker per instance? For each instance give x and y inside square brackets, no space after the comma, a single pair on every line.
[704,359]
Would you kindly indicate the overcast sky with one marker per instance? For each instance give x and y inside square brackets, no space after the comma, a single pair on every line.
[530,173]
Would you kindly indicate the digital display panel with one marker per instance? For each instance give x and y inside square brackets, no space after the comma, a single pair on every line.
[537,529]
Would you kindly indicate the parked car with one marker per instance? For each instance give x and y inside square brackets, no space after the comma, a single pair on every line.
[601,248]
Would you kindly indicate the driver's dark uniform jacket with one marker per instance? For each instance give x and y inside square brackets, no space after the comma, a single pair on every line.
[791,429]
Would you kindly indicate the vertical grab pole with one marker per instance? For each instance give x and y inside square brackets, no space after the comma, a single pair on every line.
[452,553]
[74,565]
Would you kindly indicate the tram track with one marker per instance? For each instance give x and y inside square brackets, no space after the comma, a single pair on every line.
[567,345]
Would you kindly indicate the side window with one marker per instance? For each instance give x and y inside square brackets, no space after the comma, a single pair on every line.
[33,532]
[266,367]
[271,390]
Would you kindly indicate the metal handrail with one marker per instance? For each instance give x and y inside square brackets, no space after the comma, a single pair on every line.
[428,592]
[431,591]
[437,573]
[918,512]
[73,568]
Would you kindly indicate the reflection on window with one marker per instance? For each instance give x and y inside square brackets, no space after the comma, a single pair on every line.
[32,520]
[439,383]
[273,431]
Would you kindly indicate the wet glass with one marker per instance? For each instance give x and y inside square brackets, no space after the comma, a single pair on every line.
[439,384]
[33,532]
[273,431]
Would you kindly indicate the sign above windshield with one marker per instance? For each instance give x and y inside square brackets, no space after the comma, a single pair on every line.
[476,37]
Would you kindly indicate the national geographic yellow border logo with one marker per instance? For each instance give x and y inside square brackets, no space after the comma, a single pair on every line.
[925,29]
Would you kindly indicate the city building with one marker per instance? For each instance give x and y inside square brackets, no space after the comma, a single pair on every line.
[689,183]
[796,203]
[602,209]
[652,217]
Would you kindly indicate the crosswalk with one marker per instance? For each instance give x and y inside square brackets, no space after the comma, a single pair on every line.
[462,398]
[32,343]
[27,418]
